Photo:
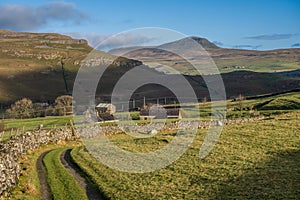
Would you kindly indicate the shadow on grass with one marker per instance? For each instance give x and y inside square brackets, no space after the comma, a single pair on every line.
[276,178]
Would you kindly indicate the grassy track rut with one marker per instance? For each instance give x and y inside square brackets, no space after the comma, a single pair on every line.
[60,177]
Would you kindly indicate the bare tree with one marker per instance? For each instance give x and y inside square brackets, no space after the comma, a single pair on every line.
[241,99]
[21,109]
[63,105]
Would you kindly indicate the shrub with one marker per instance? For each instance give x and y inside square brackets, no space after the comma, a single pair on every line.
[2,126]
[39,110]
[135,115]
[63,105]
[50,111]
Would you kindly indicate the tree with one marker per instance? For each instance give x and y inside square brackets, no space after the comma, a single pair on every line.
[21,109]
[39,110]
[2,126]
[240,99]
[63,105]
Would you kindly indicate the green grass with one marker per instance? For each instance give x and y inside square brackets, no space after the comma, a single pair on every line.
[28,187]
[62,183]
[251,161]
[265,106]
[289,102]
[20,125]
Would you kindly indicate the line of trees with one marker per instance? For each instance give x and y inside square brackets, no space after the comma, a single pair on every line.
[25,108]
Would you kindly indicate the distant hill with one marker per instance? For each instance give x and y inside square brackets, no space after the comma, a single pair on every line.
[289,101]
[226,59]
[30,66]
[185,43]
[246,83]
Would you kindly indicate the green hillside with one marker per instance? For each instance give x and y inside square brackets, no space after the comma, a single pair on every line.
[30,66]
[282,102]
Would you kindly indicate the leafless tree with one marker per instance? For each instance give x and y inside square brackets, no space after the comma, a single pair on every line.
[21,109]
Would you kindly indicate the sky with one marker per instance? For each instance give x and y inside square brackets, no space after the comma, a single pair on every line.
[255,24]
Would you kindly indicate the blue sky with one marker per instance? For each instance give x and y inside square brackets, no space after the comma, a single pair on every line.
[256,24]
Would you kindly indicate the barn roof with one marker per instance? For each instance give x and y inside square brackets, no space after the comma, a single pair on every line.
[103,105]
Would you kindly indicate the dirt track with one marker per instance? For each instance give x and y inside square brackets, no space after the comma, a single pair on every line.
[45,190]
[92,191]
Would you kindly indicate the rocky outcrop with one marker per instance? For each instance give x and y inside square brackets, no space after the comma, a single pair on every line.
[124,62]
[43,38]
[46,46]
[11,150]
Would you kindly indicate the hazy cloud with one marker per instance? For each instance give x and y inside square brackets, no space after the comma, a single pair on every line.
[107,42]
[21,17]
[272,37]
[93,38]
[295,45]
[247,46]
[123,40]
[218,43]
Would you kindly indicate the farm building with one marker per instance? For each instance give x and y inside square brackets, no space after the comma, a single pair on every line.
[146,114]
[173,114]
[105,108]
[105,117]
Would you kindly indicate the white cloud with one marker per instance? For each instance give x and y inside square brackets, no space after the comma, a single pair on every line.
[22,18]
[107,42]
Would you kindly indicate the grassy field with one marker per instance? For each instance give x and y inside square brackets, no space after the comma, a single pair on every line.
[62,183]
[265,106]
[258,160]
[18,126]
[251,161]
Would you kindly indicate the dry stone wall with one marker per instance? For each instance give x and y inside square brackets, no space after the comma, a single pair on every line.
[16,146]
[94,130]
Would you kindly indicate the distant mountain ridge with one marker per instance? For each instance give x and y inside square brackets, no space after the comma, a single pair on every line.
[205,43]
[226,59]
[30,66]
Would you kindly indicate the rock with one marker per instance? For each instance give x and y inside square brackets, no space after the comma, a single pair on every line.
[153,132]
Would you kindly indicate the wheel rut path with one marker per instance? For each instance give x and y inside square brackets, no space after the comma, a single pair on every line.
[40,168]
[92,191]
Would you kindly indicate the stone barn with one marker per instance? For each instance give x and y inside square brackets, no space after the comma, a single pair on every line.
[173,114]
[146,114]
